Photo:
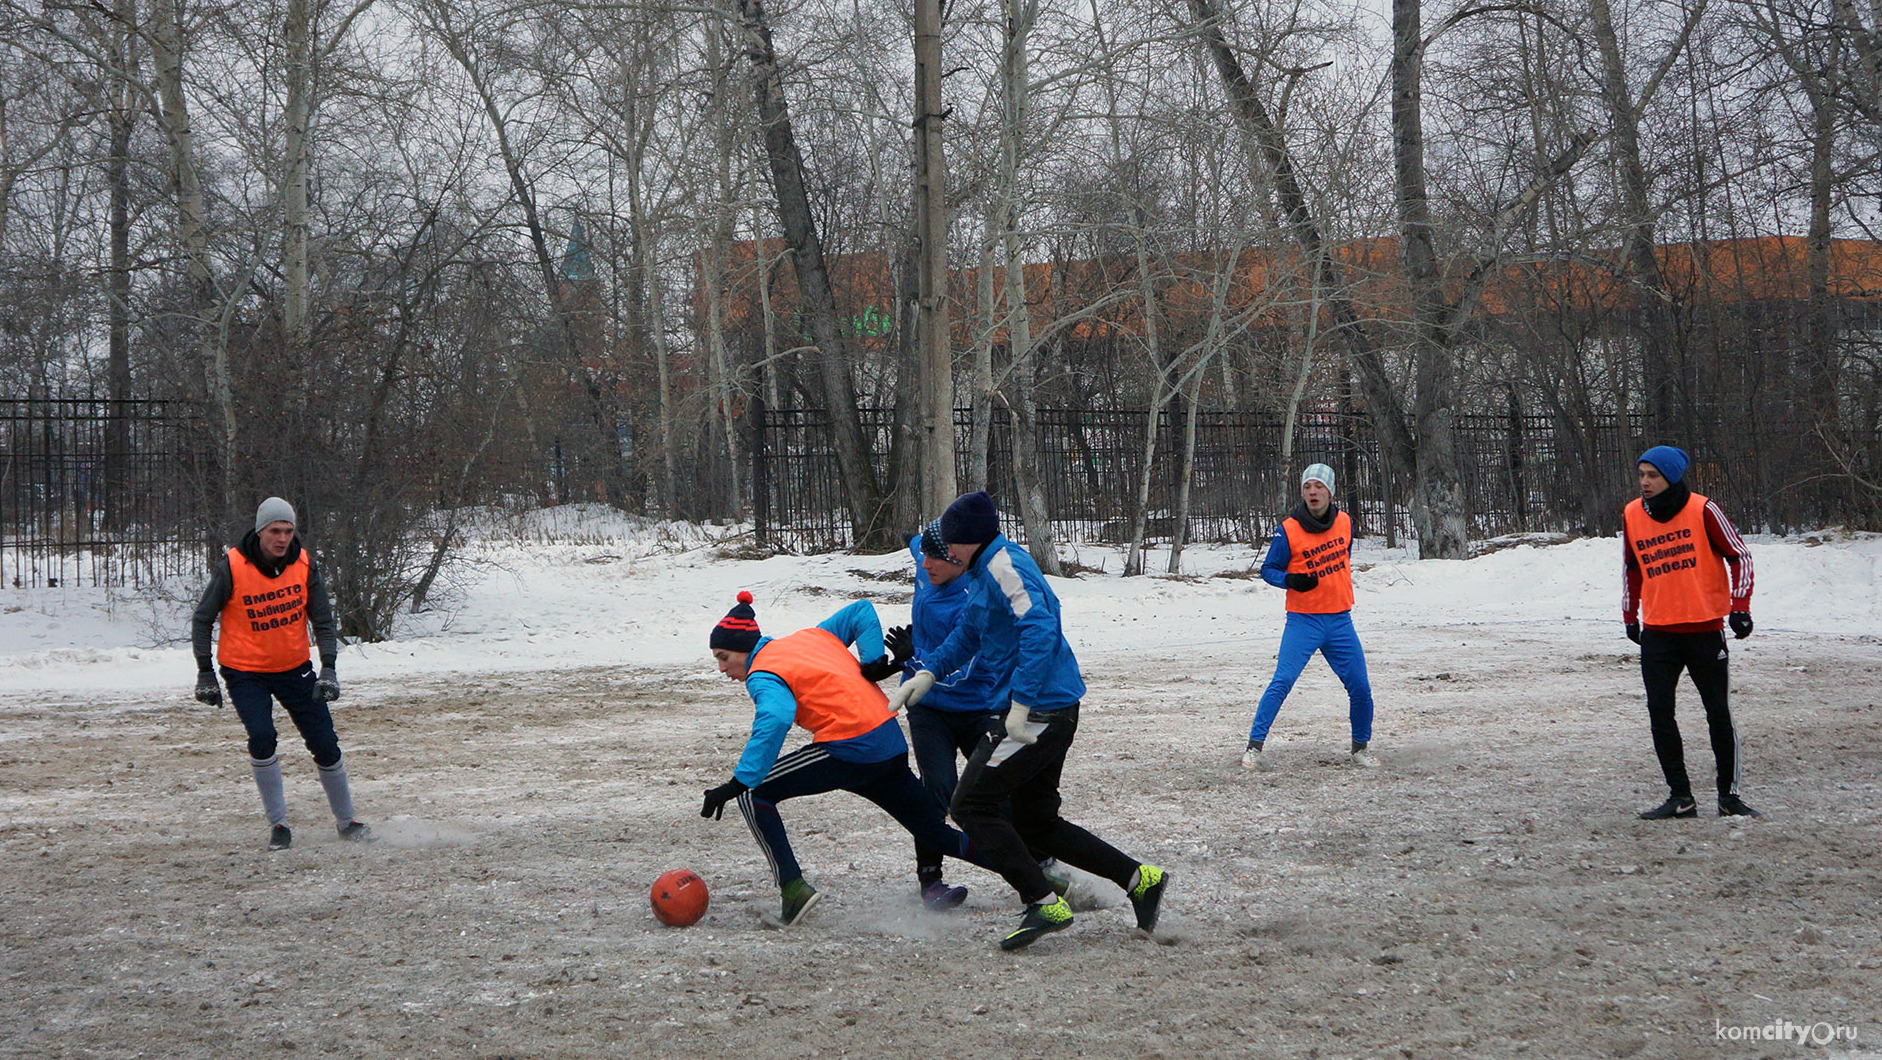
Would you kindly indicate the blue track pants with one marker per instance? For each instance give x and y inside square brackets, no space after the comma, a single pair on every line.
[1334,637]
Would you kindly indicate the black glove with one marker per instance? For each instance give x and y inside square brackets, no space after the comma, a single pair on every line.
[884,667]
[1741,624]
[1302,583]
[207,690]
[327,688]
[716,798]
[1633,632]
[900,641]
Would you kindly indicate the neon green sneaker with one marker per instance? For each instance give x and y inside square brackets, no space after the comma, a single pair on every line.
[1146,895]
[1042,918]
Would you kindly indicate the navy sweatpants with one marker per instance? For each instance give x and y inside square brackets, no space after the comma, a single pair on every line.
[812,770]
[253,695]
[939,735]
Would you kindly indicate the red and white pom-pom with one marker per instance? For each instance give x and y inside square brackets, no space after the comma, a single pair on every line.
[744,597]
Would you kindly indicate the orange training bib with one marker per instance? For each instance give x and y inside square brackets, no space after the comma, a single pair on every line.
[1326,555]
[1683,578]
[834,700]
[264,624]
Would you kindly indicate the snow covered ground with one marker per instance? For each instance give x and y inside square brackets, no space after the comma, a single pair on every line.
[531,754]
[583,586]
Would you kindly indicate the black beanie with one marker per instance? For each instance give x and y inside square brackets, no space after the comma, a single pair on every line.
[738,630]
[970,520]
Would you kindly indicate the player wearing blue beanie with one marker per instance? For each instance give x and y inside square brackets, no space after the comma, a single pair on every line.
[1685,574]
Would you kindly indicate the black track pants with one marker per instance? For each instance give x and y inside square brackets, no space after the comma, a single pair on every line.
[1705,656]
[1028,773]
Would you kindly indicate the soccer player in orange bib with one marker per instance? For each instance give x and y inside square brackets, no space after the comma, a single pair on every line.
[810,679]
[1311,557]
[268,594]
[1686,573]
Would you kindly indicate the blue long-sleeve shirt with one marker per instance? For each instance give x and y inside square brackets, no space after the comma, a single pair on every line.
[1280,554]
[1012,625]
[776,705]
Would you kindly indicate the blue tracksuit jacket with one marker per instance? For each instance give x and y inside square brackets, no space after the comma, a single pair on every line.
[1012,624]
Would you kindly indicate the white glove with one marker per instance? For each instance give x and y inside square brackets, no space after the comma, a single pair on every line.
[909,692]
[1017,716]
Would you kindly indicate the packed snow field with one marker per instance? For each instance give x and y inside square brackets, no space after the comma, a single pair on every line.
[531,754]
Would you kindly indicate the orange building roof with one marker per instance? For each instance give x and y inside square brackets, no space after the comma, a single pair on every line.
[1721,272]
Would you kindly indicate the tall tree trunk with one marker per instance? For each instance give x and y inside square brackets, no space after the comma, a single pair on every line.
[123,121]
[1438,507]
[1382,406]
[297,33]
[192,239]
[1161,372]
[1658,306]
[1821,373]
[1035,514]
[981,436]
[908,498]
[1179,523]
[869,524]
[718,238]
[938,480]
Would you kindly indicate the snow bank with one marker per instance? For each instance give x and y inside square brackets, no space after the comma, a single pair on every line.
[585,586]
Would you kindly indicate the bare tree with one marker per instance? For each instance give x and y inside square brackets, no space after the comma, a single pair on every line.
[868,524]
[936,422]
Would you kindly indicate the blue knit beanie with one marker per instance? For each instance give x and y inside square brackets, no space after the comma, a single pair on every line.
[1670,461]
[970,520]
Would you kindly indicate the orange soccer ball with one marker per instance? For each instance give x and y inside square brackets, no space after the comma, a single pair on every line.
[679,898]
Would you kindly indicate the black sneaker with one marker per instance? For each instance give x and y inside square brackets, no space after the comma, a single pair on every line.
[939,896]
[1147,896]
[1042,918]
[1733,806]
[356,832]
[279,838]
[1674,807]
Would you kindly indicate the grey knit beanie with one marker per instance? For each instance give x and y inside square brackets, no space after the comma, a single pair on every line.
[274,510]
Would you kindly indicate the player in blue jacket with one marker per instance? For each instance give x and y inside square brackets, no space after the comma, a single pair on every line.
[956,714]
[1011,624]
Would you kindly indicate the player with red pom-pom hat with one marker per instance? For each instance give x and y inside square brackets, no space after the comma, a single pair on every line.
[810,678]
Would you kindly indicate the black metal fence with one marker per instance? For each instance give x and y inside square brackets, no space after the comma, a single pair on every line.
[1522,472]
[99,492]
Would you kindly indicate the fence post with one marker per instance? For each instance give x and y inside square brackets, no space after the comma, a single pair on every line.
[760,473]
[1385,493]
[1519,495]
